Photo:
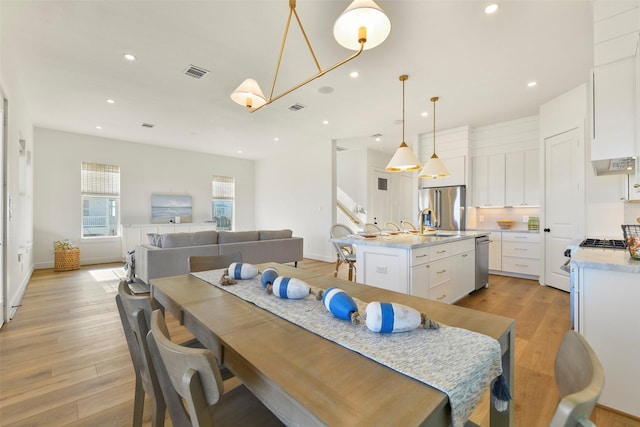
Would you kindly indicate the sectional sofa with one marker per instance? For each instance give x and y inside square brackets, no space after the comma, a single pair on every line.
[168,254]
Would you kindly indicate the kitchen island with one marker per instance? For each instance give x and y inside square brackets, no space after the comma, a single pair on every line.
[605,291]
[437,266]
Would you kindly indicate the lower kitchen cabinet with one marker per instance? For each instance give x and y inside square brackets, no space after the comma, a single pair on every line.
[521,253]
[495,251]
[606,314]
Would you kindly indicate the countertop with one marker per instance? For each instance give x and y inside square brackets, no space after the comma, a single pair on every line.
[605,259]
[410,240]
[510,230]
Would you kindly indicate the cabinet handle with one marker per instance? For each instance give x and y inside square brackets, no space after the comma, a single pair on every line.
[421,256]
[465,255]
[441,271]
[522,265]
[441,252]
[521,237]
[443,296]
[521,249]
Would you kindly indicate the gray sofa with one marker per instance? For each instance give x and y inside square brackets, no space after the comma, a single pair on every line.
[168,254]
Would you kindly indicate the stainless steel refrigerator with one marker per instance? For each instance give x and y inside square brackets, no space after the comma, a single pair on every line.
[449,206]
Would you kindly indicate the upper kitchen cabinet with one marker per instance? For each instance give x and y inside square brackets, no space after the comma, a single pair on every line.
[488,173]
[613,110]
[522,184]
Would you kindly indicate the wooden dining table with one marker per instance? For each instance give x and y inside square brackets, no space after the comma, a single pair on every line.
[307,380]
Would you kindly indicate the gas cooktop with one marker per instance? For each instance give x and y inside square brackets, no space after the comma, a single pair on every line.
[604,243]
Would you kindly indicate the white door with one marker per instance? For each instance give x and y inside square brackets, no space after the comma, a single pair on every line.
[402,195]
[564,193]
[3,192]
[380,206]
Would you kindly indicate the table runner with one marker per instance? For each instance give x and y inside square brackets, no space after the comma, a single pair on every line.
[456,361]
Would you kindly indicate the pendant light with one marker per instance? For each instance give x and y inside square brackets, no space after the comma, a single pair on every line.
[434,167]
[404,159]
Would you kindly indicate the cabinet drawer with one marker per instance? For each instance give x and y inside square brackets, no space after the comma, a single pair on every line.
[443,292]
[439,272]
[439,251]
[419,256]
[521,249]
[521,265]
[462,246]
[520,237]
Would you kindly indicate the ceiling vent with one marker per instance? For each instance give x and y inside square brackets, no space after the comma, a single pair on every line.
[296,107]
[147,125]
[196,72]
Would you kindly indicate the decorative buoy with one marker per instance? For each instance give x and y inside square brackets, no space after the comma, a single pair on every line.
[239,270]
[388,317]
[340,304]
[289,288]
[269,274]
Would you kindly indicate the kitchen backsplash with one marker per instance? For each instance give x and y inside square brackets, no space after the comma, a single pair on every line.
[486,218]
[632,213]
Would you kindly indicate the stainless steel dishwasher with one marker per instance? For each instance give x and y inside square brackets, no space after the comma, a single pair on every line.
[482,261]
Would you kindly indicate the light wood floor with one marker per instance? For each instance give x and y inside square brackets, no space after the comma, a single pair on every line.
[64,359]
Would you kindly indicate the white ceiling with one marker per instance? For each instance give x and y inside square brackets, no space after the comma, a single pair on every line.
[68,55]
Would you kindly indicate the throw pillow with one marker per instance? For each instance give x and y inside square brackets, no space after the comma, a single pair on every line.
[155,239]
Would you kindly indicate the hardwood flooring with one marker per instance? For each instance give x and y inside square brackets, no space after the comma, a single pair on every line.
[64,359]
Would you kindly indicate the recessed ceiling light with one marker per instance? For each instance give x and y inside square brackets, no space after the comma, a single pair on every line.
[129,57]
[424,113]
[98,127]
[532,84]
[110,101]
[325,122]
[491,8]
[239,151]
[354,74]
[276,139]
[378,139]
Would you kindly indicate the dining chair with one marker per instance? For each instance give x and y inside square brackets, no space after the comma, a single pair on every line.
[372,228]
[212,262]
[580,380]
[192,376]
[391,226]
[134,311]
[346,253]
[406,225]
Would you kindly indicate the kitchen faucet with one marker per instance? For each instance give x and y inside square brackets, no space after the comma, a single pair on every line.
[422,218]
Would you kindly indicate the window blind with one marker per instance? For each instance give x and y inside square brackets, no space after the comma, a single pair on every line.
[100,180]
[223,187]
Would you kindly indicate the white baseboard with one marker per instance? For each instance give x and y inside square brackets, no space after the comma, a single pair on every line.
[15,303]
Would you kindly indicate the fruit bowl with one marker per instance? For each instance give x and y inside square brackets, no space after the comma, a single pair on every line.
[505,224]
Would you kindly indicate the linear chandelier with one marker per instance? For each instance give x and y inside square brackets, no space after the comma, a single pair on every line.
[362,26]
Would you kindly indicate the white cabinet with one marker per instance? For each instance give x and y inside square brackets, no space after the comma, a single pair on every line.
[522,182]
[613,110]
[521,253]
[495,251]
[136,234]
[488,174]
[444,272]
[457,167]
[608,318]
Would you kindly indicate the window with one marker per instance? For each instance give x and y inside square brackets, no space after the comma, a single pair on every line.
[222,206]
[100,200]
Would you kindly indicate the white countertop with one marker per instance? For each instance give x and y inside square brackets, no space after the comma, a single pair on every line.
[605,259]
[410,240]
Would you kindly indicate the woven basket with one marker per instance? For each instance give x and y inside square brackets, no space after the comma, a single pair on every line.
[66,259]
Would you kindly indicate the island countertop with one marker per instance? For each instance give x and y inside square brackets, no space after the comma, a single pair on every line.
[605,259]
[411,240]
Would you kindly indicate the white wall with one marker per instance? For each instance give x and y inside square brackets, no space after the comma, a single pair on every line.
[298,192]
[18,204]
[144,170]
